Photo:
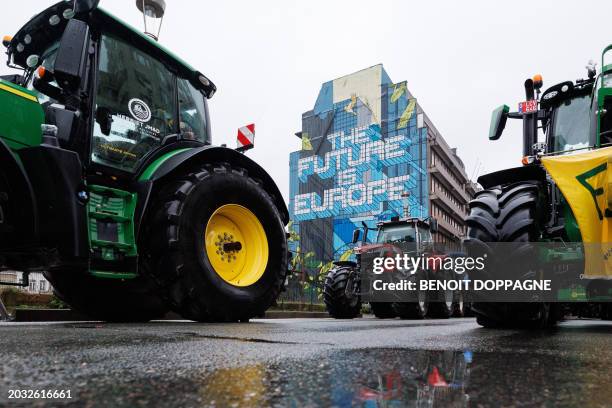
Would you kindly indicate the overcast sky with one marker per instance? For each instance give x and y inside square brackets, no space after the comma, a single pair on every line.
[460,58]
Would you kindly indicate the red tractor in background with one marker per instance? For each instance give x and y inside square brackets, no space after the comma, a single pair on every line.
[343,290]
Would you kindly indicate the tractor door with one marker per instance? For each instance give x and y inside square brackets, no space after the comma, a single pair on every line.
[425,239]
[135,106]
[604,99]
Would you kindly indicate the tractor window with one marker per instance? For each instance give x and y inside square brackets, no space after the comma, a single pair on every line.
[47,60]
[135,105]
[400,233]
[571,126]
[192,111]
[425,235]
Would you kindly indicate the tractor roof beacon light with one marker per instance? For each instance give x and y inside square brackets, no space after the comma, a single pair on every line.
[537,84]
[6,40]
[153,14]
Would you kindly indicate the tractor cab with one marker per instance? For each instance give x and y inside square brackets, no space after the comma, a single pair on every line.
[567,117]
[407,230]
[572,115]
[116,96]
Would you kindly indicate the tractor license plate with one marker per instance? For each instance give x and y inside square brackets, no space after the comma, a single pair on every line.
[528,106]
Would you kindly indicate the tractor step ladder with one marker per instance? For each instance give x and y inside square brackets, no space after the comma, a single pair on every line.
[111,232]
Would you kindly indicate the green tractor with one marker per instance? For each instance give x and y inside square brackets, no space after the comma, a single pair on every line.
[561,196]
[109,182]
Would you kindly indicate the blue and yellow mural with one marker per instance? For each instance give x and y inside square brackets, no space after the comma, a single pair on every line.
[363,158]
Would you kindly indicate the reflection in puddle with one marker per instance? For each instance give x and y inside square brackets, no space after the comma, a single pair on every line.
[435,378]
[244,386]
[368,378]
[414,378]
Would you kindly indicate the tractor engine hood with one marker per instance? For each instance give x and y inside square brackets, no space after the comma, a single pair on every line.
[370,248]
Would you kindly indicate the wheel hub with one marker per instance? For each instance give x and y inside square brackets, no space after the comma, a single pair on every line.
[236,245]
[232,246]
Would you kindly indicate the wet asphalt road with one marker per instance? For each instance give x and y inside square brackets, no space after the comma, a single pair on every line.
[309,362]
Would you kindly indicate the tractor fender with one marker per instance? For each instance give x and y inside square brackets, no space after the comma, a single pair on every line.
[210,154]
[24,201]
[512,175]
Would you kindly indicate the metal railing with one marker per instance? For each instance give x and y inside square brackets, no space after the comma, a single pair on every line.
[300,293]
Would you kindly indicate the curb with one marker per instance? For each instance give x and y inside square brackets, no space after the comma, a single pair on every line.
[69,315]
[294,314]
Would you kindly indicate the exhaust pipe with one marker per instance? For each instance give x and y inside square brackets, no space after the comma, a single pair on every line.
[530,122]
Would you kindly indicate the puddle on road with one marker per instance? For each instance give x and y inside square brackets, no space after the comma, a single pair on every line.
[383,378]
[394,377]
[363,378]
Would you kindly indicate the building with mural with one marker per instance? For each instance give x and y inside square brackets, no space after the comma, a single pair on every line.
[369,153]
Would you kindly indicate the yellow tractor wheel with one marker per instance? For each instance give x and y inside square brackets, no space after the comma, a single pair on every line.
[215,242]
[236,245]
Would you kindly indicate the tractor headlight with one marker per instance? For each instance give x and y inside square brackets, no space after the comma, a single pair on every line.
[54,20]
[32,60]
[68,14]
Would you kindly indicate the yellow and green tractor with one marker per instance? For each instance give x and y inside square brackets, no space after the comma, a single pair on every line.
[559,202]
[110,183]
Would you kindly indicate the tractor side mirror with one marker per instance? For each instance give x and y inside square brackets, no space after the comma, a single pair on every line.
[104,119]
[433,225]
[498,121]
[356,234]
[71,61]
[85,6]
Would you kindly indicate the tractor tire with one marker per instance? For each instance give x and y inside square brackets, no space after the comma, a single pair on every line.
[459,306]
[488,323]
[214,242]
[411,310]
[110,300]
[510,213]
[18,223]
[467,309]
[383,310]
[605,312]
[444,307]
[7,216]
[339,301]
[3,210]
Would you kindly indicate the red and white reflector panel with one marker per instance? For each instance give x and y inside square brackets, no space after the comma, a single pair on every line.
[246,137]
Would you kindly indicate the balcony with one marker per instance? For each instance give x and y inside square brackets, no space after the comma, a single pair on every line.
[446,154]
[458,213]
[445,178]
[449,229]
